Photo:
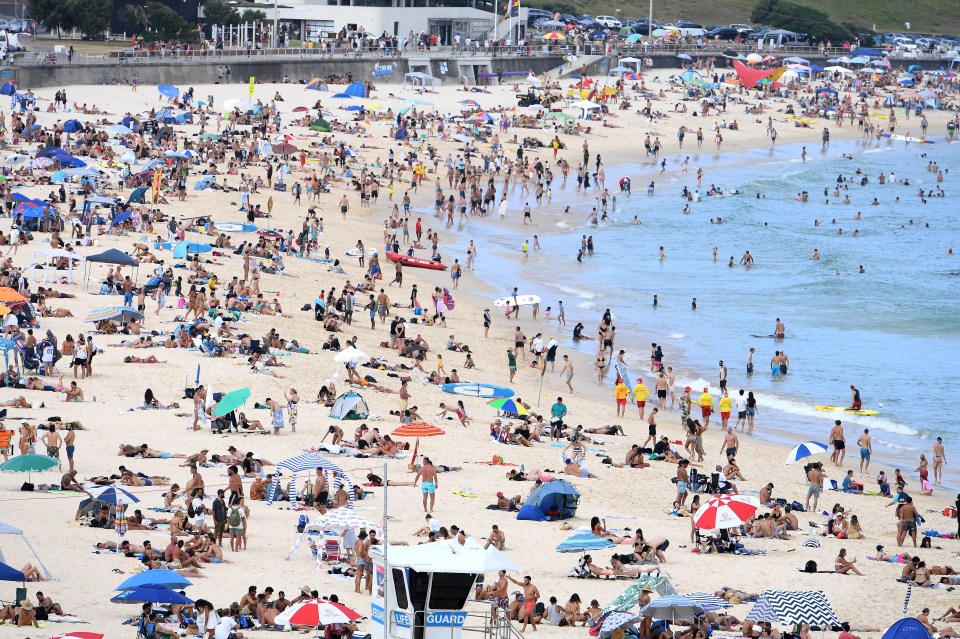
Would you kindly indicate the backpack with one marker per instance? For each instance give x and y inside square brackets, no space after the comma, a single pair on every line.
[191,512]
[234,519]
[811,566]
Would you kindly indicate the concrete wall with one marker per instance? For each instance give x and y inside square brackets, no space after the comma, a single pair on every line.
[185,73]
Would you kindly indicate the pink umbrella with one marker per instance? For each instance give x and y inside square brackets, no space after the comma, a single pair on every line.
[726,511]
[317,612]
[78,635]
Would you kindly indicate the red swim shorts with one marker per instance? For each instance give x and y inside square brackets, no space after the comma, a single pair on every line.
[642,404]
[621,402]
[706,410]
[725,414]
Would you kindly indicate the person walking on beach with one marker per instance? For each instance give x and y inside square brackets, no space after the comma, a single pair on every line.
[730,444]
[428,476]
[511,363]
[620,393]
[640,395]
[907,514]
[839,443]
[814,485]
[939,460]
[866,449]
[567,372]
[706,407]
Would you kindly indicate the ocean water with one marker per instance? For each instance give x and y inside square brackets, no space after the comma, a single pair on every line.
[893,331]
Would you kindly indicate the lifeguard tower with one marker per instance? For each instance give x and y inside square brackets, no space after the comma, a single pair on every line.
[422,592]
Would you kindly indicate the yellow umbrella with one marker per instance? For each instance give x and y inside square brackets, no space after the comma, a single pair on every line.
[4,310]
[553,35]
[372,106]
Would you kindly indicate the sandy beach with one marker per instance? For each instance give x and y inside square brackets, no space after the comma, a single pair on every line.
[627,498]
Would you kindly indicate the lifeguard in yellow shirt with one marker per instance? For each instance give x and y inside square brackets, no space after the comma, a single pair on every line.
[706,407]
[640,395]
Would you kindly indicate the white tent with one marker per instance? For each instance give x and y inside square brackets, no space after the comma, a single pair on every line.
[418,78]
[350,406]
[620,71]
[636,62]
[585,107]
[44,257]
[449,557]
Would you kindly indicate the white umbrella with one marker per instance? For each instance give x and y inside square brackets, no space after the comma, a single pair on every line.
[843,70]
[350,355]
[16,159]
[753,58]
[672,608]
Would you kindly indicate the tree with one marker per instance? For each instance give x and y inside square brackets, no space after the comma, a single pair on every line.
[92,17]
[254,15]
[219,12]
[165,23]
[136,16]
[54,14]
[795,17]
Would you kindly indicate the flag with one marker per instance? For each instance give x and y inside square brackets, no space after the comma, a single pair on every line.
[511,5]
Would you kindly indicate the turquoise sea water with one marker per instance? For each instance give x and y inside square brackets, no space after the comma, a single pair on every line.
[893,330]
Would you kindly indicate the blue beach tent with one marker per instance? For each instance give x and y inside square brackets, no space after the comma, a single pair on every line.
[908,628]
[553,500]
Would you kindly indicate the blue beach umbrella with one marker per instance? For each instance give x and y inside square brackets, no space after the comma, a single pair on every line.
[168,90]
[111,494]
[151,594]
[804,450]
[584,541]
[119,129]
[184,248]
[72,126]
[156,579]
[9,573]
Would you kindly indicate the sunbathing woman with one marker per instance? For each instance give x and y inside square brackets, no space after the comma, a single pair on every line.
[250,424]
[129,479]
[599,528]
[621,569]
[129,359]
[844,566]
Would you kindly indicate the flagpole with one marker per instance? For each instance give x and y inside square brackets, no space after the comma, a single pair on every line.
[496,21]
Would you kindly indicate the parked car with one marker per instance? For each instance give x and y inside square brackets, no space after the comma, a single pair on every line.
[17,26]
[741,27]
[609,22]
[723,33]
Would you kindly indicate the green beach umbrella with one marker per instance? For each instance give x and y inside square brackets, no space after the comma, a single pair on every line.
[231,402]
[507,405]
[209,136]
[320,125]
[28,464]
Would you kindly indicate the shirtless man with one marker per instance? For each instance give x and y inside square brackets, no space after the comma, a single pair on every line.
[530,597]
[496,538]
[662,391]
[730,444]
[907,514]
[780,331]
[74,393]
[866,449]
[361,560]
[839,443]
[939,460]
[69,481]
[52,441]
[496,593]
[815,485]
[428,475]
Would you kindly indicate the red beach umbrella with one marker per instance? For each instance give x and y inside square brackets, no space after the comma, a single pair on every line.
[726,511]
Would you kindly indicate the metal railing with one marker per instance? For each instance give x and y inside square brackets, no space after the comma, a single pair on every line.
[482,619]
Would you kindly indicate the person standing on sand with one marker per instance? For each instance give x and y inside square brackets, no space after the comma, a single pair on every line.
[620,393]
[530,597]
[814,485]
[907,514]
[567,372]
[866,449]
[939,460]
[511,363]
[839,443]
[428,475]
[706,407]
[640,395]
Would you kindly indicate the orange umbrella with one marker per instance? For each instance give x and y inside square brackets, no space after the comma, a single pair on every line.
[4,310]
[11,296]
[417,429]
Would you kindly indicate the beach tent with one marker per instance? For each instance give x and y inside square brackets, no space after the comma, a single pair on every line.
[320,125]
[908,628]
[751,77]
[138,196]
[9,573]
[356,90]
[692,78]
[316,85]
[418,78]
[110,256]
[45,256]
[7,529]
[553,500]
[794,607]
[350,406]
[8,88]
[636,62]
[309,462]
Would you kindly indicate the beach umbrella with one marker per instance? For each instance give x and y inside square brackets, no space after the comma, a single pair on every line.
[159,578]
[4,310]
[41,163]
[617,620]
[110,494]
[708,601]
[555,36]
[754,58]
[355,107]
[301,110]
[507,405]
[8,88]
[684,56]
[284,149]
[350,355]
[9,573]
[151,594]
[342,519]
[183,249]
[472,103]
[28,464]
[726,511]
[72,126]
[804,450]
[581,542]
[459,137]
[168,90]
[205,182]
[417,429]
[672,608]
[320,125]
[317,612]
[119,129]
[15,159]
[10,296]
[77,634]
[122,314]
[231,402]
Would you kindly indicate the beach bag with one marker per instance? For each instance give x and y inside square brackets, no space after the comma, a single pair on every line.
[191,512]
[797,507]
[926,542]
[810,567]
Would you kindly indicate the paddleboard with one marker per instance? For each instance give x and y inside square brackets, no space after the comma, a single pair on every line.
[165,246]
[417,262]
[485,391]
[520,300]
[234,227]
[844,409]
[768,335]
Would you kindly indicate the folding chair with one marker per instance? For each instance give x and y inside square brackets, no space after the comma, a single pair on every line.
[699,482]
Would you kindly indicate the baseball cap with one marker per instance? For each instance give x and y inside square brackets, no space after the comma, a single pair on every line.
[639,380]
[500,495]
[687,389]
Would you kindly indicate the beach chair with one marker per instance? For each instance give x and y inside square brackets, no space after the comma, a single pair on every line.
[19,595]
[699,482]
[331,550]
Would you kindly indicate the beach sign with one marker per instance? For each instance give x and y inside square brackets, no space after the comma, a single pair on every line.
[253,82]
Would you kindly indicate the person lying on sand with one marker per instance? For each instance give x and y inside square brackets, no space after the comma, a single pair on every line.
[129,359]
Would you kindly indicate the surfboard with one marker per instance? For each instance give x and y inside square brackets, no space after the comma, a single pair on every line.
[623,372]
[235,227]
[521,300]
[905,138]
[485,391]
[164,246]
[844,409]
[356,252]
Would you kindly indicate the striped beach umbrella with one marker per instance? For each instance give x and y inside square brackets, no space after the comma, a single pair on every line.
[726,511]
[417,429]
[317,612]
[121,523]
[41,163]
[709,601]
[111,494]
[343,519]
[507,405]
[804,450]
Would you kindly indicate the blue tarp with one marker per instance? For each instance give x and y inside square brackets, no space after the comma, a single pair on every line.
[553,500]
[183,248]
[70,162]
[72,126]
[120,219]
[584,541]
